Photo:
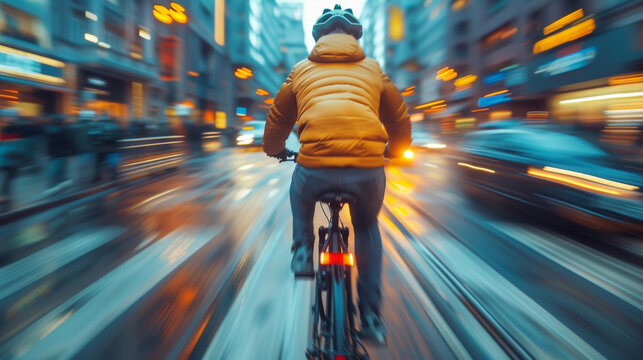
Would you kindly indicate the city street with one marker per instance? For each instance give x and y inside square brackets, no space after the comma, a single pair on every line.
[196,265]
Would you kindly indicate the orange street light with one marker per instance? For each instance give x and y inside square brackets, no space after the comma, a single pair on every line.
[179,17]
[177,7]
[162,14]
[176,12]
[243,73]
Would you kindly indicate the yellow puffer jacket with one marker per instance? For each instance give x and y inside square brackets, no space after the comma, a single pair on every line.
[340,99]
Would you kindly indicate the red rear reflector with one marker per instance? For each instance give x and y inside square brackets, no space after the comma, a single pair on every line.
[340,357]
[327,258]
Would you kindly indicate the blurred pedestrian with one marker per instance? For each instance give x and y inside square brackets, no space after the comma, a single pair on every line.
[60,147]
[104,135]
[12,151]
[83,147]
[194,136]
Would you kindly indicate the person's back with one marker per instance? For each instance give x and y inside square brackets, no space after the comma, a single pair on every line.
[346,110]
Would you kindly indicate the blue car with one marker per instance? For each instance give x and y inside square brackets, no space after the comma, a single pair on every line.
[554,171]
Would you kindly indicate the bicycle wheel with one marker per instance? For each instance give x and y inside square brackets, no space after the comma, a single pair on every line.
[339,310]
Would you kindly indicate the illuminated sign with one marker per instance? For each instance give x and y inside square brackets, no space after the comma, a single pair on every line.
[241,111]
[30,66]
[176,12]
[170,58]
[243,73]
[446,74]
[465,80]
[567,63]
[562,22]
[494,78]
[396,24]
[493,99]
[219,22]
[96,81]
[565,36]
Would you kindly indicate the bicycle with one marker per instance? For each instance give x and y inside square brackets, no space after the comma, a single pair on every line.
[334,334]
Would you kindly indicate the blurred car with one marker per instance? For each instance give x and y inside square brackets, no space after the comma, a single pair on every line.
[555,171]
[423,141]
[251,134]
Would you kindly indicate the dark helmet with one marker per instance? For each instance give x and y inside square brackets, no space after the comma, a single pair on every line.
[337,18]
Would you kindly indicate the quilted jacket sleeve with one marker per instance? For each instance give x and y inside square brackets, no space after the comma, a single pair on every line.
[395,117]
[281,119]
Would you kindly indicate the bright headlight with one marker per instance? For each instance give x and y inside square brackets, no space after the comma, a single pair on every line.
[434,146]
[245,137]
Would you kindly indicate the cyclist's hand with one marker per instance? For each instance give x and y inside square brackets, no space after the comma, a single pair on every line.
[293,154]
[284,154]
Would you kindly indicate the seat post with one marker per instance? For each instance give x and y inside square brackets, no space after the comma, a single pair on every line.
[335,206]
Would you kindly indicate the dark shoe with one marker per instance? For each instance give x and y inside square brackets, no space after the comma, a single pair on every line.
[302,261]
[372,326]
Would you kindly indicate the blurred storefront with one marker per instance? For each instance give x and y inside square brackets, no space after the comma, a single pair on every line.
[105,95]
[32,83]
[33,79]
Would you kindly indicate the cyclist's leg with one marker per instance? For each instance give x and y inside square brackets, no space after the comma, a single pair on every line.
[368,243]
[303,190]
[302,207]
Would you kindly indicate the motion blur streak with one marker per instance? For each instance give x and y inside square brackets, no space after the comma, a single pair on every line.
[564,21]
[591,178]
[603,97]
[570,181]
[477,168]
[575,32]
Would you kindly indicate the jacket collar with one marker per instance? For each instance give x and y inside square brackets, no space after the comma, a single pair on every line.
[336,48]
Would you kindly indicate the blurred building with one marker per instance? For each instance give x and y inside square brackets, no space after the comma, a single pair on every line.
[463,61]
[374,30]
[115,57]
[409,39]
[293,43]
[262,32]
[35,76]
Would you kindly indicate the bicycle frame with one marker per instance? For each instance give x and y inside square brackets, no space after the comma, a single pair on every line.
[338,339]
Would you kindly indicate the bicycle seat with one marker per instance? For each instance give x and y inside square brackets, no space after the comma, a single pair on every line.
[342,197]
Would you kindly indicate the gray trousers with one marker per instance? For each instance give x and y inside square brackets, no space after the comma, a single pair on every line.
[368,186]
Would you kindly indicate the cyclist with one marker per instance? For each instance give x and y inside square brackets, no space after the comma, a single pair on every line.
[340,99]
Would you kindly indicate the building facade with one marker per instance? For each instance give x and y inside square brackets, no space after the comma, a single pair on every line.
[471,61]
[117,57]
[258,45]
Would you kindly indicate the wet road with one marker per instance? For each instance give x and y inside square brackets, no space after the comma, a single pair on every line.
[196,265]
